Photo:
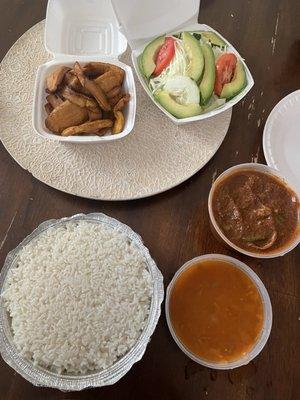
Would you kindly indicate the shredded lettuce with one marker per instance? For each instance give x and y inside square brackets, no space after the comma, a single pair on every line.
[183,89]
[217,51]
[178,66]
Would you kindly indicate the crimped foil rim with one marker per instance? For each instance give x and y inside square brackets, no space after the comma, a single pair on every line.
[42,377]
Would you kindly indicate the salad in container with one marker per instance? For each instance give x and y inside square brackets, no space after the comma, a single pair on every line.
[189,70]
[192,72]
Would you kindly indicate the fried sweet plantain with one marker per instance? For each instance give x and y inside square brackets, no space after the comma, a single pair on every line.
[55,78]
[94,69]
[114,100]
[48,108]
[89,127]
[118,123]
[122,102]
[79,99]
[86,99]
[108,81]
[65,115]
[54,100]
[114,92]
[95,115]
[108,115]
[72,81]
[92,87]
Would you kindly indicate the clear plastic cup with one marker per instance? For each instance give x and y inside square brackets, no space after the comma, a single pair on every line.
[281,251]
[267,310]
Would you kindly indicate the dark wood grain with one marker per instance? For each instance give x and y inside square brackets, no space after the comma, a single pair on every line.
[174,225]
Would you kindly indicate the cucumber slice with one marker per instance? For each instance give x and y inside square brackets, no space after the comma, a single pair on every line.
[183,89]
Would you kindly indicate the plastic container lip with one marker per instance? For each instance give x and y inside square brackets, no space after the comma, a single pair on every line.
[268,315]
[261,168]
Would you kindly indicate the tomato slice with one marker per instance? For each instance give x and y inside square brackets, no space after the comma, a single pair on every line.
[164,55]
[225,68]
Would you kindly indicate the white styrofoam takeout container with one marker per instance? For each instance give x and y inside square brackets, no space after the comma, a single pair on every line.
[82,30]
[143,21]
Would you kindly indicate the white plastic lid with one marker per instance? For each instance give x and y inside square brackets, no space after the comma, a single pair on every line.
[281,140]
[143,19]
[83,28]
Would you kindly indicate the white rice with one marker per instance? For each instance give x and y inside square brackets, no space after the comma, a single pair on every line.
[79,298]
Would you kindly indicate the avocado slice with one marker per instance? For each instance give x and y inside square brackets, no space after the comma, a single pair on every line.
[147,64]
[206,86]
[237,84]
[176,109]
[213,38]
[194,52]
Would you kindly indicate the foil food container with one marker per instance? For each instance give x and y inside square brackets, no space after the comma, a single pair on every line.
[39,376]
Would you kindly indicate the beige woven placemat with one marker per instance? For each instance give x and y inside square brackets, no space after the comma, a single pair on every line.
[156,156]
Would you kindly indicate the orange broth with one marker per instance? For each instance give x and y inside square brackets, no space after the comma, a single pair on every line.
[216,311]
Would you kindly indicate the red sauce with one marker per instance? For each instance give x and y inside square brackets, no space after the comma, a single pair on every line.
[256,211]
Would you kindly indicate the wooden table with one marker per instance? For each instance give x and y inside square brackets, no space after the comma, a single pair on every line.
[174,225]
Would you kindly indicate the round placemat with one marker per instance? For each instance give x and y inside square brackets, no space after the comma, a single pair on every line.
[156,156]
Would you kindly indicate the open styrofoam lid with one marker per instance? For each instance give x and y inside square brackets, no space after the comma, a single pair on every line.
[83,28]
[281,140]
[143,19]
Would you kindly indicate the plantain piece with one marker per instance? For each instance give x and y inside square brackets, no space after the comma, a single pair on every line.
[118,123]
[65,115]
[54,100]
[95,115]
[122,102]
[55,78]
[89,127]
[72,81]
[108,115]
[94,69]
[79,99]
[92,87]
[108,81]
[86,99]
[114,100]
[48,108]
[114,92]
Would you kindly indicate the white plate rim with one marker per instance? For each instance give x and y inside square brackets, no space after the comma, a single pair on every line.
[266,139]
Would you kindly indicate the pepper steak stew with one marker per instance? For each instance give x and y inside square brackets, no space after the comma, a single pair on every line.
[256,211]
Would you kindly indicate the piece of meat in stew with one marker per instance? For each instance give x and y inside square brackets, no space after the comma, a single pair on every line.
[256,211]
